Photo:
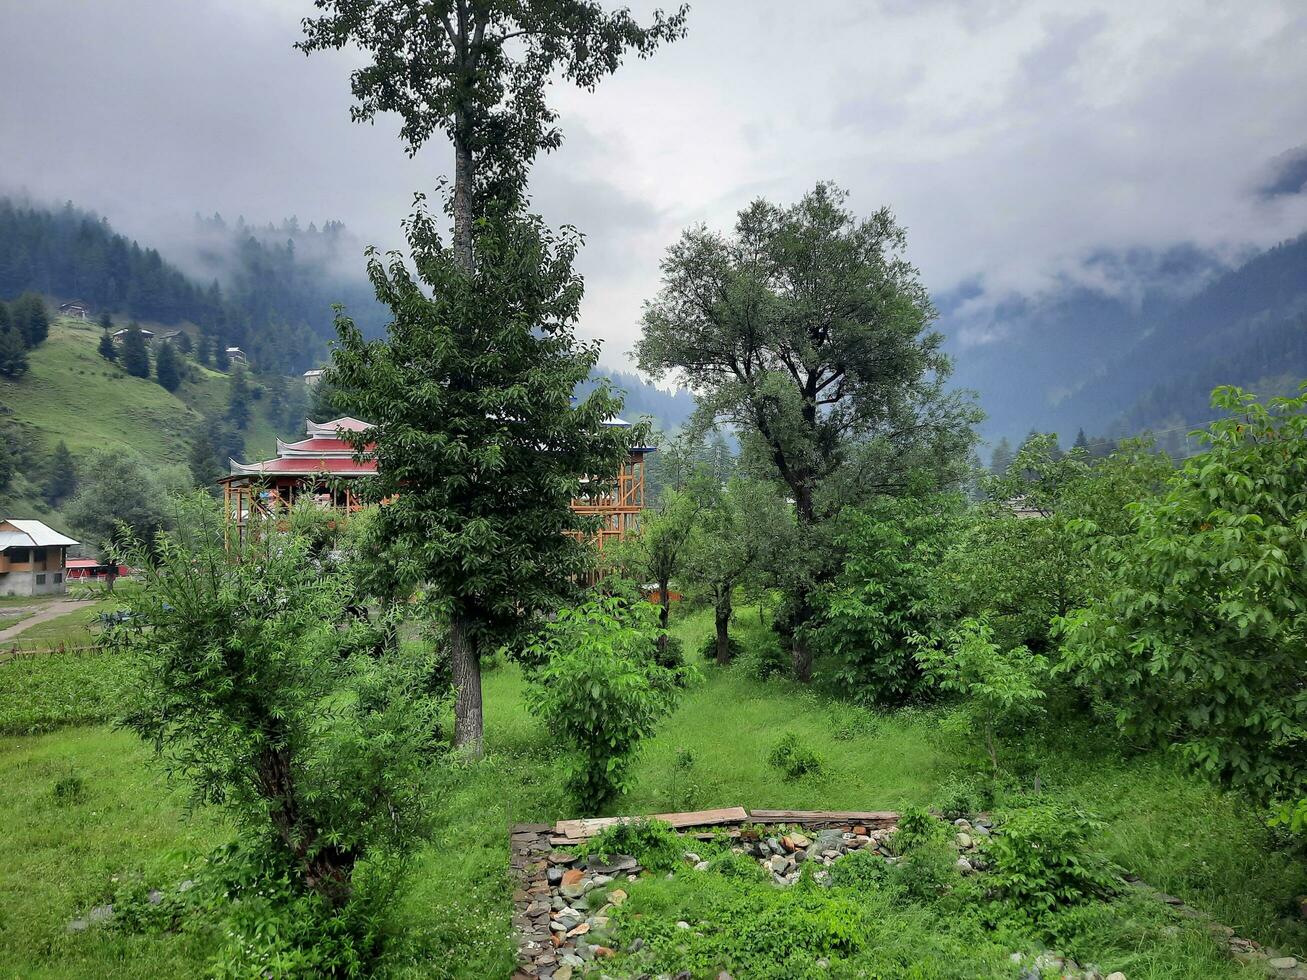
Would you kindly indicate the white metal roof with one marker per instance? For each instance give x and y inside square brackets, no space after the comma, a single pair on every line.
[31,534]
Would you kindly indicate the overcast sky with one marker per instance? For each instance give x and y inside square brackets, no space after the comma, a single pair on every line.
[1012,137]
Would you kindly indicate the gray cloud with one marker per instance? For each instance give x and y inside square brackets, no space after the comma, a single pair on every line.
[1015,142]
[1287,175]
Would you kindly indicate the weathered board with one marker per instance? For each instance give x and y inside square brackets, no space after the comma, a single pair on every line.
[578,830]
[866,817]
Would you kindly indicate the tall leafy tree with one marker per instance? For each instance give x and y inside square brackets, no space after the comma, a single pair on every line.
[479,448]
[118,499]
[62,480]
[809,330]
[478,71]
[135,356]
[168,367]
[734,531]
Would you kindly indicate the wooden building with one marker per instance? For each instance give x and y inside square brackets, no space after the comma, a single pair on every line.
[33,558]
[321,467]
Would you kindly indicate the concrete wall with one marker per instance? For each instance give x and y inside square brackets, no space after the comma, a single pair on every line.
[24,583]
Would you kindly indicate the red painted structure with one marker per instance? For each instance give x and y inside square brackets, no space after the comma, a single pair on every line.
[85,569]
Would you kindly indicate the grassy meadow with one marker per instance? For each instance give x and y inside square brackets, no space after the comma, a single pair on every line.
[63,848]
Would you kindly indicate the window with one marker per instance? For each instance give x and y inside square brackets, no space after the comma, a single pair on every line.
[40,578]
[38,554]
[19,555]
[58,577]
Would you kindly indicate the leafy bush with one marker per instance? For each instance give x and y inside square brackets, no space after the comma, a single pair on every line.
[600,691]
[927,870]
[69,789]
[708,650]
[246,684]
[1199,641]
[651,842]
[739,866]
[850,721]
[765,659]
[885,594]
[861,870]
[1000,689]
[917,827]
[1040,858]
[794,759]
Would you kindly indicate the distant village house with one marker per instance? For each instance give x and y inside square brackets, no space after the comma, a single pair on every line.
[119,335]
[76,309]
[33,558]
[93,570]
[314,376]
[236,355]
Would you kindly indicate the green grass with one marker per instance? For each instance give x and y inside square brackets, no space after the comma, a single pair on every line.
[72,394]
[452,917]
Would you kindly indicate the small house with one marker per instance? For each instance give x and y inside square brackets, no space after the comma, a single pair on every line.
[75,309]
[33,558]
[235,355]
[93,570]
[119,335]
[312,377]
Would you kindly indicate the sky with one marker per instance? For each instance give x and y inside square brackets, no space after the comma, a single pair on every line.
[1013,138]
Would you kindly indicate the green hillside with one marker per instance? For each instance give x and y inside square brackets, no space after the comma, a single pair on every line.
[73,394]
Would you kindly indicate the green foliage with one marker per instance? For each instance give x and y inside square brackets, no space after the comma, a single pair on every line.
[808,330]
[885,595]
[860,870]
[135,356]
[765,659]
[651,842]
[117,492]
[964,796]
[238,398]
[13,354]
[69,789]
[31,319]
[601,691]
[927,870]
[1199,641]
[1041,858]
[1000,689]
[477,440]
[917,827]
[62,479]
[735,649]
[794,759]
[245,684]
[48,691]
[168,367]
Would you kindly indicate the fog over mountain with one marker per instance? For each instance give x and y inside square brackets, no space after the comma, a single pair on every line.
[1058,189]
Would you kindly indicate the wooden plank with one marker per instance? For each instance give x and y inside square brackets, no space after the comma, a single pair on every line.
[824,816]
[585,829]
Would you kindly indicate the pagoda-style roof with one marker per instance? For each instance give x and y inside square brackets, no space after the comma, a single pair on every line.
[331,429]
[305,466]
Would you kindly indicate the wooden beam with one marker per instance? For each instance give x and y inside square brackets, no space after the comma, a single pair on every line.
[585,829]
[865,817]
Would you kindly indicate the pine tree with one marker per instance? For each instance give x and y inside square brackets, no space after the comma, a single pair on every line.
[106,322]
[202,351]
[184,343]
[32,319]
[167,368]
[63,475]
[6,318]
[203,459]
[220,359]
[1081,442]
[1002,457]
[108,349]
[135,355]
[238,399]
[13,354]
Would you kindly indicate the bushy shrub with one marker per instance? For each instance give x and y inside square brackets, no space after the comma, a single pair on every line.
[963,796]
[600,691]
[917,827]
[1041,858]
[765,659]
[739,866]
[1000,688]
[794,759]
[927,870]
[885,594]
[1199,641]
[651,842]
[708,649]
[861,869]
[246,682]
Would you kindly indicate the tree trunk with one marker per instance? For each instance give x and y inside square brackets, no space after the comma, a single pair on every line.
[463,178]
[801,656]
[664,612]
[465,660]
[723,616]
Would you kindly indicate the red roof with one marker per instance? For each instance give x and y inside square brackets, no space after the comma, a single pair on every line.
[82,563]
[320,444]
[307,466]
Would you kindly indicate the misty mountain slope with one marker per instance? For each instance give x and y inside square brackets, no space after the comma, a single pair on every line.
[1244,327]
[1117,362]
[1030,356]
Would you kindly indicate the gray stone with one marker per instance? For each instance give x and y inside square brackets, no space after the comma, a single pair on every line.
[575,889]
[701,866]
[1116,975]
[186,885]
[635,945]
[1282,963]
[154,897]
[964,866]
[571,959]
[101,913]
[78,925]
[554,875]
[964,841]
[692,858]
[682,924]
[778,864]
